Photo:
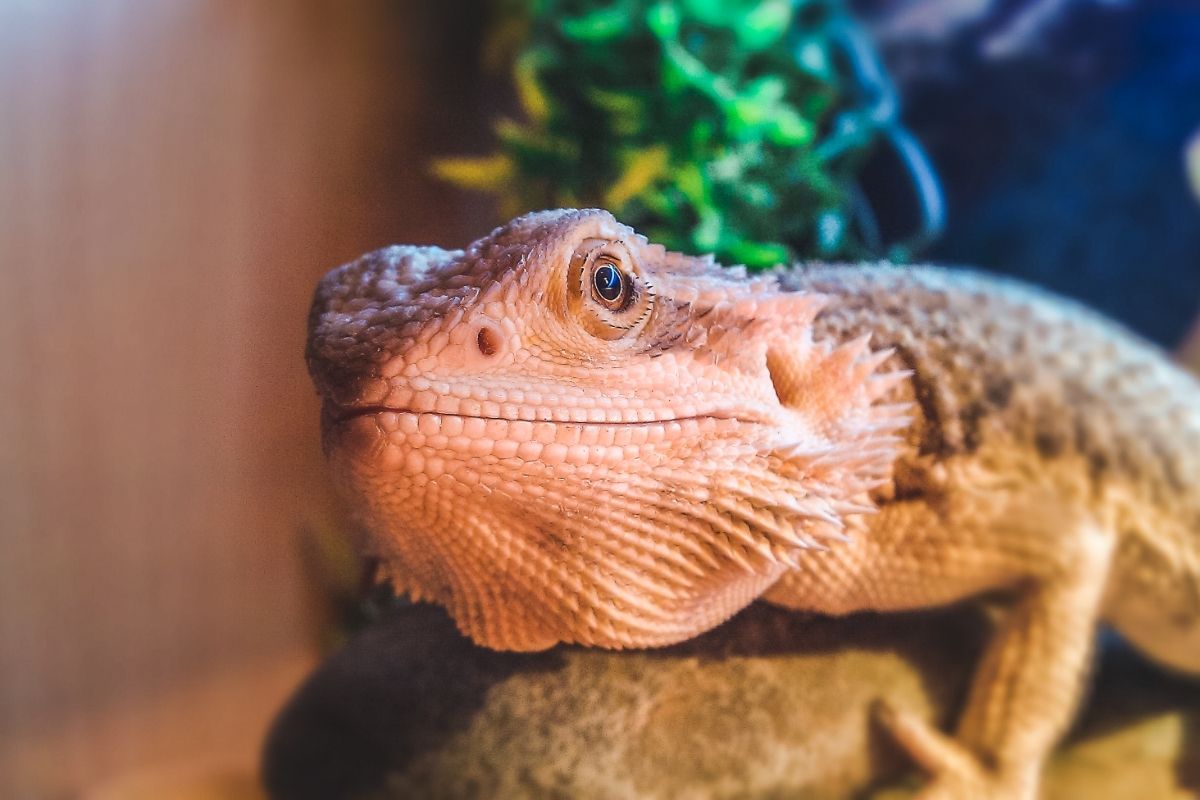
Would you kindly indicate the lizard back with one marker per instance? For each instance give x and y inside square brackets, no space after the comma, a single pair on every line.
[1001,365]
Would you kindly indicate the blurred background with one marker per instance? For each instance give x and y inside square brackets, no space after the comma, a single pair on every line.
[175,176]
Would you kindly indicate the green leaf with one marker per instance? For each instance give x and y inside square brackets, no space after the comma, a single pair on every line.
[760,254]
[663,20]
[813,57]
[764,25]
[790,129]
[831,231]
[601,25]
[695,120]
[707,232]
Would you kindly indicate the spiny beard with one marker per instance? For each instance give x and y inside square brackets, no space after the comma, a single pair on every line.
[639,556]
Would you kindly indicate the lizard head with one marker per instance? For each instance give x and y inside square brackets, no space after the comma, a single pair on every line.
[567,433]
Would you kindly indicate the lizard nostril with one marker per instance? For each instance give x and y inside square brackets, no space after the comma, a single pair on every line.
[488,341]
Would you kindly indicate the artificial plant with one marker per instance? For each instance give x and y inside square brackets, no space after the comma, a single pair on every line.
[732,127]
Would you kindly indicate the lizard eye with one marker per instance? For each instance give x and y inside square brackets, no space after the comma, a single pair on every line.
[608,292]
[609,284]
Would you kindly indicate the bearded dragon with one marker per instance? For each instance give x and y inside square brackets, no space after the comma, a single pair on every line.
[566,433]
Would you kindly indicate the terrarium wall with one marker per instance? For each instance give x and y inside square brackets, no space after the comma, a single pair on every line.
[173,179]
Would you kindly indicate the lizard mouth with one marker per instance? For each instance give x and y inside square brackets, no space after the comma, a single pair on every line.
[339,415]
[412,440]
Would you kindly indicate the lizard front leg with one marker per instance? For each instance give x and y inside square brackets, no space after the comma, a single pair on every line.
[1023,695]
[1027,684]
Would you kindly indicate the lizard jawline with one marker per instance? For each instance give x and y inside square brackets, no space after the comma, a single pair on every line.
[342,415]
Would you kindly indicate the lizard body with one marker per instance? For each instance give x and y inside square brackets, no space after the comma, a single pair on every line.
[568,434]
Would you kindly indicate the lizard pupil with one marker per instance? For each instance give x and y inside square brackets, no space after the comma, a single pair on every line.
[608,282]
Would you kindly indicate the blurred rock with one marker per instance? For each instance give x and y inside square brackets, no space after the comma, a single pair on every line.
[772,704]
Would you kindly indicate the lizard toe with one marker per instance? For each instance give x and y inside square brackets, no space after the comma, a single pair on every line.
[956,772]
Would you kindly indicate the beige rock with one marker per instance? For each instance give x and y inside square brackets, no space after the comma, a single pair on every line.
[772,704]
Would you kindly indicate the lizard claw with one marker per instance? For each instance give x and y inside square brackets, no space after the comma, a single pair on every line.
[957,773]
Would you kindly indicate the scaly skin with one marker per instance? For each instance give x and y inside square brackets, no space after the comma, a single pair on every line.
[556,458]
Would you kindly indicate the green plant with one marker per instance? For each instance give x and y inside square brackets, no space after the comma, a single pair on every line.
[722,127]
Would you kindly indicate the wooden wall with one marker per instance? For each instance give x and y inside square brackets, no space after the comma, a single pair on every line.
[174,176]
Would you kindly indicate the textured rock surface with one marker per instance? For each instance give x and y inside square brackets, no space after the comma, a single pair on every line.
[771,704]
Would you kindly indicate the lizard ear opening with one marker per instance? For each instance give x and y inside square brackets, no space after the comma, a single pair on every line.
[607,291]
